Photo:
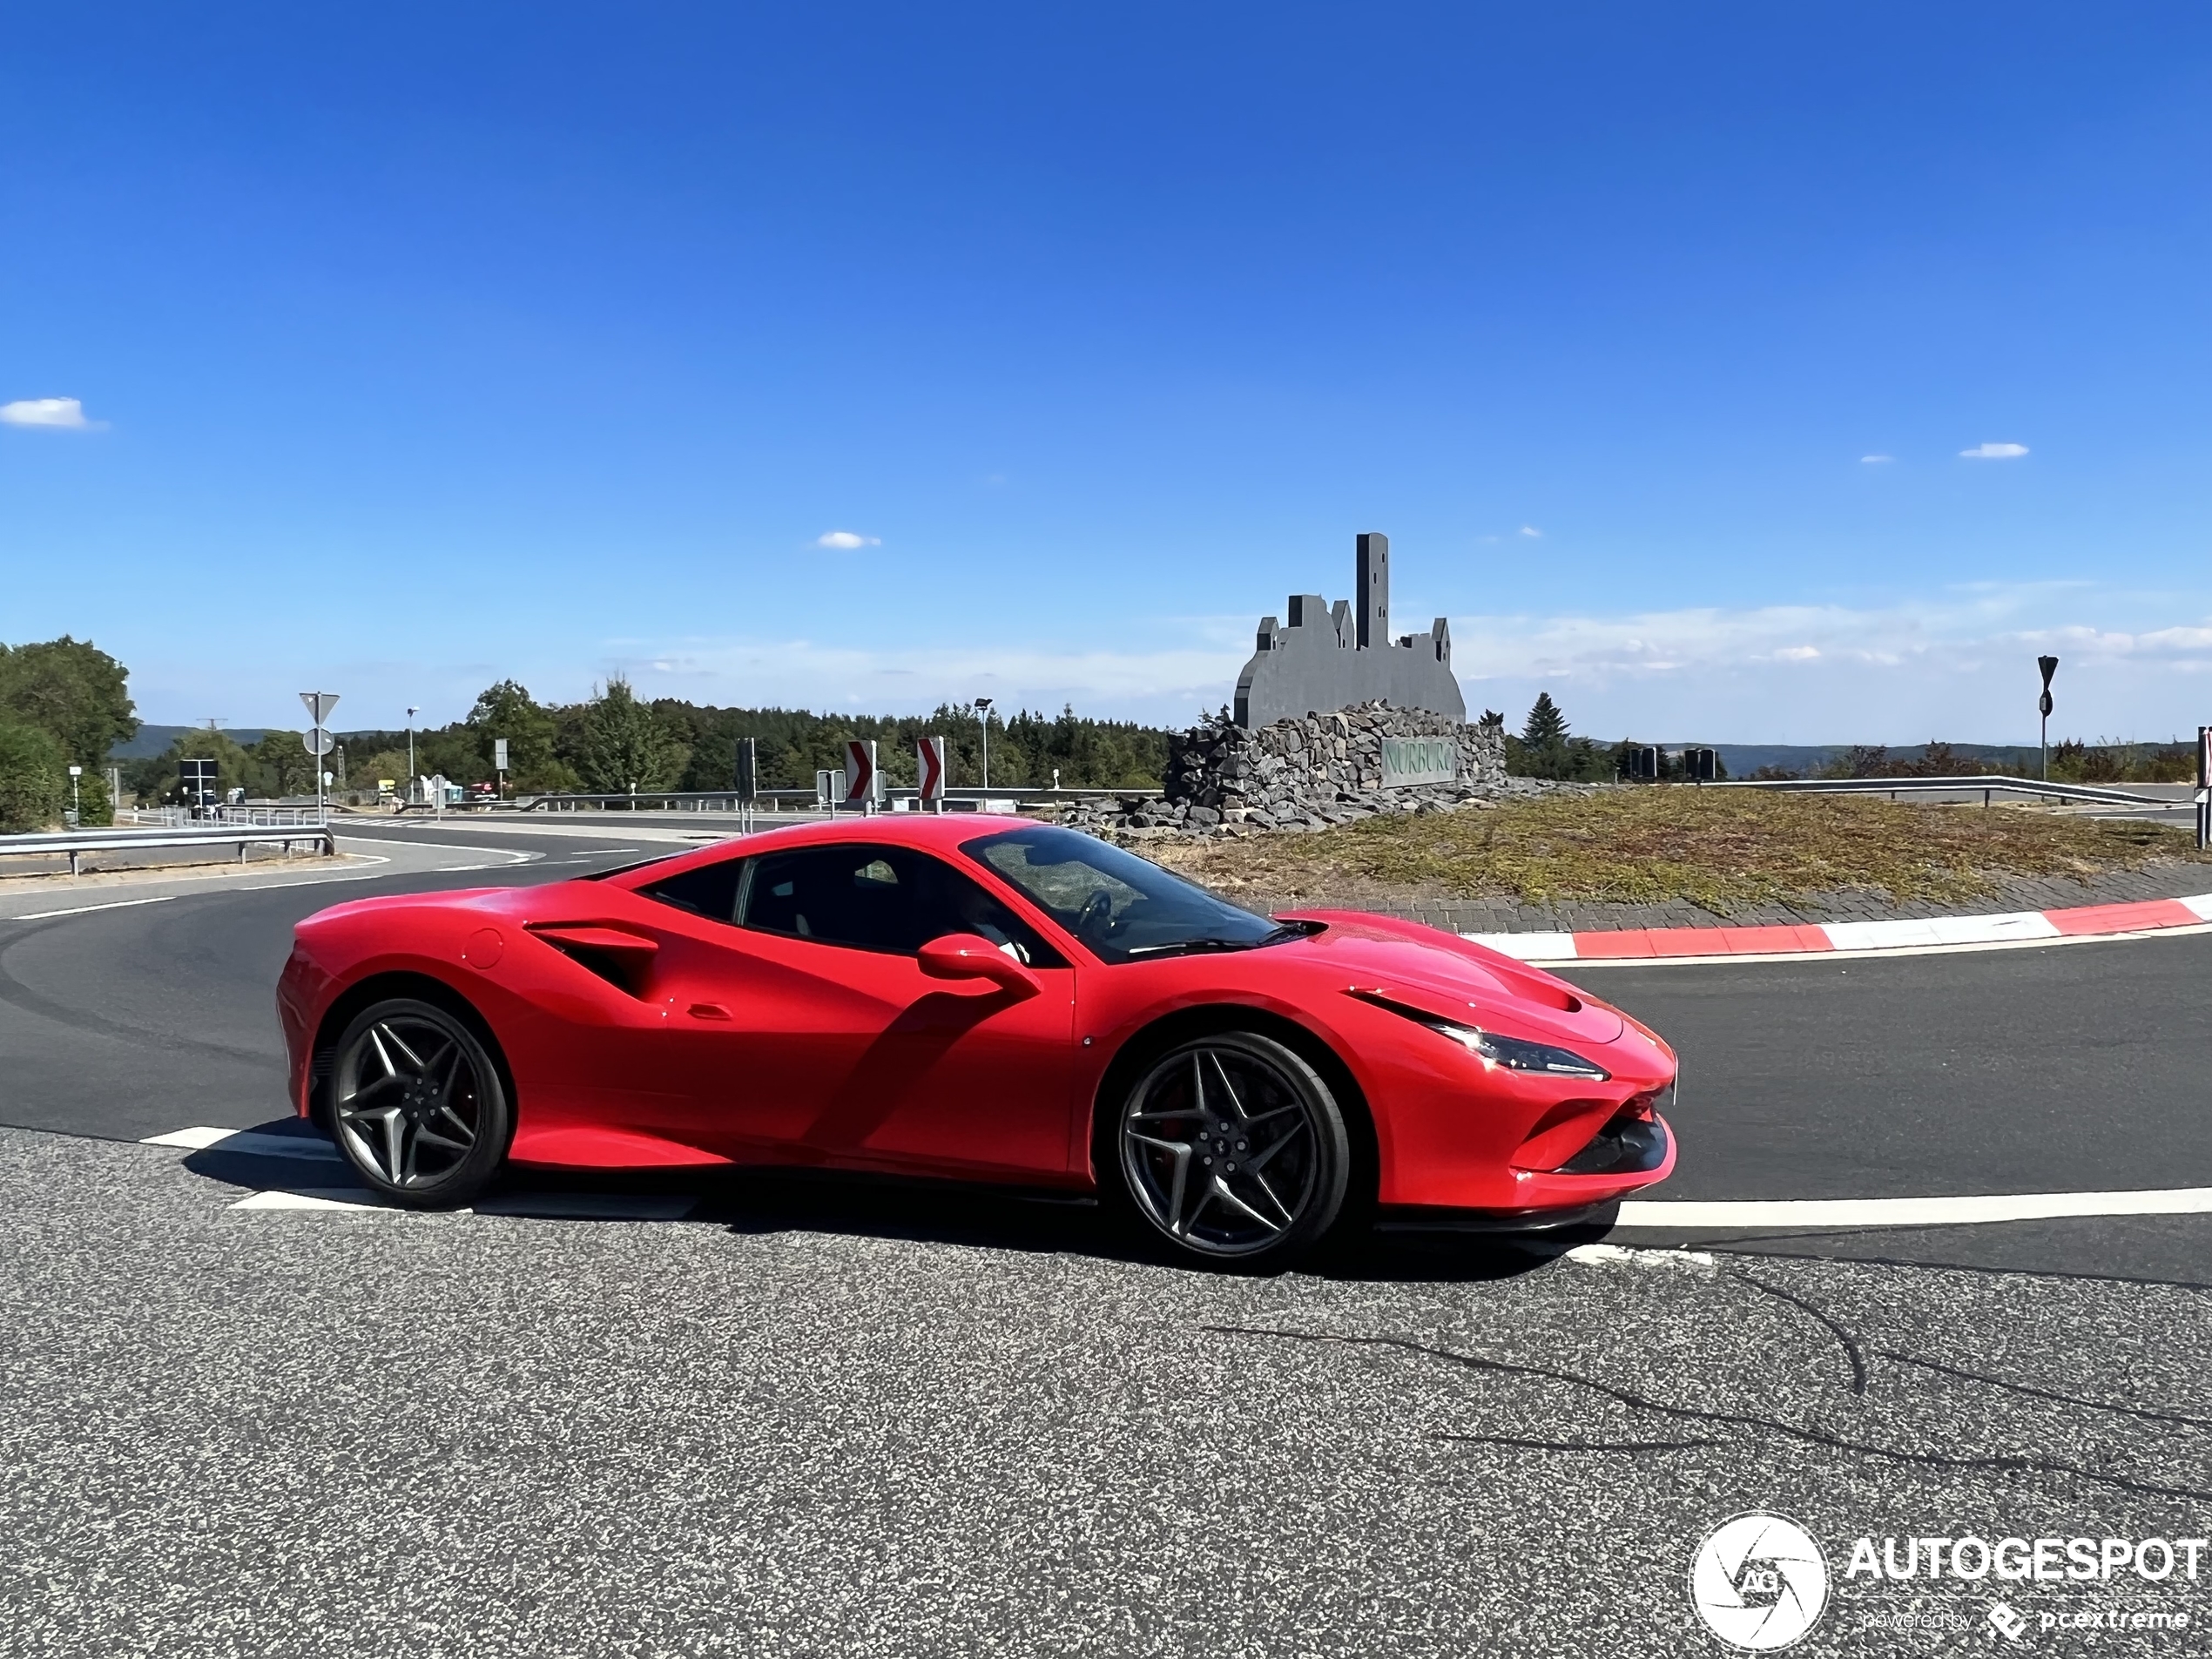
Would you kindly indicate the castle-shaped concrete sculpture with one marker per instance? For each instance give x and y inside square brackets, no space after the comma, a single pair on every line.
[1330,658]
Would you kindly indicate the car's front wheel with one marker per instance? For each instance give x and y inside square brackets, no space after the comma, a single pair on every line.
[1233,1149]
[417,1104]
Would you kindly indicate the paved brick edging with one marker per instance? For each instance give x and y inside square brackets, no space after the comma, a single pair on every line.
[1675,944]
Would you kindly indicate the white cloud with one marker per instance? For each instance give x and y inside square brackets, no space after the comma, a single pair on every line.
[1876,461]
[1959,664]
[1993,452]
[48,411]
[1531,530]
[846,540]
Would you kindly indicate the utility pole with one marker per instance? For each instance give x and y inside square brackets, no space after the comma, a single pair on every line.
[983,710]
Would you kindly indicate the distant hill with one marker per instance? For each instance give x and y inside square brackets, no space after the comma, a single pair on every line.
[154,739]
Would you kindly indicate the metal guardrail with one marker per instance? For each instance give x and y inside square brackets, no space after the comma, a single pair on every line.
[76,843]
[1988,784]
[259,817]
[800,799]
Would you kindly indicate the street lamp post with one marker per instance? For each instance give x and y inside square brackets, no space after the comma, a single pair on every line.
[2050,667]
[983,712]
[411,713]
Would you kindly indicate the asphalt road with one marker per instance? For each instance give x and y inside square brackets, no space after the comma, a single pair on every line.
[832,1419]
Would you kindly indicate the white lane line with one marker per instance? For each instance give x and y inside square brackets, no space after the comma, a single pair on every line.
[314,1198]
[195,1139]
[530,1206]
[87,909]
[1976,1211]
[207,1139]
[507,852]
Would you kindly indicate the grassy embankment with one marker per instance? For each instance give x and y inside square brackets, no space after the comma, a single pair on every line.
[1725,849]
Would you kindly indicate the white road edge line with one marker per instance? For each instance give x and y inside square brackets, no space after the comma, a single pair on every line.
[1976,1211]
[87,909]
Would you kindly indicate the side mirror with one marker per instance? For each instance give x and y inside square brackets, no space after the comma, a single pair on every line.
[971,956]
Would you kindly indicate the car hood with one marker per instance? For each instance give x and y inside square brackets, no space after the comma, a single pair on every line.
[1450,977]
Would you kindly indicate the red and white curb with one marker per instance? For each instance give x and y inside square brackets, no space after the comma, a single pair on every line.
[1857,938]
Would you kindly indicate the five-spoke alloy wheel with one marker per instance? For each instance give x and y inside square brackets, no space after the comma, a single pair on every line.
[1233,1148]
[416,1104]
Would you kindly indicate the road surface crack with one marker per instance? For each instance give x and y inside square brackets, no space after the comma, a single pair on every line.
[1720,1419]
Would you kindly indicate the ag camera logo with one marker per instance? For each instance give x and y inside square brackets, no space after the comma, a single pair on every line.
[1759,1582]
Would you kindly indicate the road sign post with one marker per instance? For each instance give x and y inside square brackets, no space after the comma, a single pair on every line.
[745,775]
[2050,667]
[319,741]
[863,787]
[2204,787]
[929,759]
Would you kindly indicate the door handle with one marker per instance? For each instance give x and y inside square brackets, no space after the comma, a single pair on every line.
[709,1011]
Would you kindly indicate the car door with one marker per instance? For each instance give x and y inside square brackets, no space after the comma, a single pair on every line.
[805,1025]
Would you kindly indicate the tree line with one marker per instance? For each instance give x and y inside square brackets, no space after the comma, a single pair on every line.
[615,742]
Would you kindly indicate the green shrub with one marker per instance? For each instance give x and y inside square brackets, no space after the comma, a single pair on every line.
[34,778]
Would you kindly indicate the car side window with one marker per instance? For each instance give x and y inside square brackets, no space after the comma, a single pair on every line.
[881,898]
[710,890]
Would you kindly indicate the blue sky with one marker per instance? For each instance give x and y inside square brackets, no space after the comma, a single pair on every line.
[415,347]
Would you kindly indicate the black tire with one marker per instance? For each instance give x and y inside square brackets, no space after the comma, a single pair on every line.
[417,1106]
[1232,1150]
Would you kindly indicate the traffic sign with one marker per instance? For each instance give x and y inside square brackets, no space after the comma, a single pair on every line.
[499,754]
[859,772]
[319,705]
[317,741]
[747,773]
[929,754]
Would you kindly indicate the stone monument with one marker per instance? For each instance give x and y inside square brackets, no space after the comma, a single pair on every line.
[1333,657]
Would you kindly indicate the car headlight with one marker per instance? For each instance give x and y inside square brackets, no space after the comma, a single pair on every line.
[1516,1054]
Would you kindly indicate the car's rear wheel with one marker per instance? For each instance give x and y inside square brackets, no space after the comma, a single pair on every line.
[1233,1150]
[417,1104]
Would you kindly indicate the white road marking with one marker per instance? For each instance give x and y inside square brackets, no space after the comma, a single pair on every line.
[1978,1209]
[509,853]
[87,909]
[245,1141]
[1592,1254]
[536,1206]
[194,1139]
[314,1198]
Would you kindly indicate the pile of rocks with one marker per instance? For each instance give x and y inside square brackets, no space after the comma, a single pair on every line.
[1308,773]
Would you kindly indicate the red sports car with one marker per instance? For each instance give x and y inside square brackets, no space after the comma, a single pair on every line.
[989,999]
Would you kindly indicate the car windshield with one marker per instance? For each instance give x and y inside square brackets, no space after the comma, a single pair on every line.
[1123,909]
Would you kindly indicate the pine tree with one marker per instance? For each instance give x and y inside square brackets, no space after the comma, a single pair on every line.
[1546,727]
[626,748]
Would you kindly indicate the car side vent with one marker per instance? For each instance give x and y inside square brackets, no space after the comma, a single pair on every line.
[625,960]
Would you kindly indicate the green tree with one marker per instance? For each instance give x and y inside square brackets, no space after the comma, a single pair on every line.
[72,689]
[1546,727]
[34,777]
[279,764]
[626,745]
[156,779]
[508,710]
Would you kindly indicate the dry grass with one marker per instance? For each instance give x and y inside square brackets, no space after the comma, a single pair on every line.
[1725,849]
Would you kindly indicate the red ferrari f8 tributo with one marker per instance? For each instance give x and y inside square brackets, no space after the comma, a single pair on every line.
[986,999]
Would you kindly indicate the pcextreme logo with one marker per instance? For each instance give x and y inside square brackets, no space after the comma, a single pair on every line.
[1758,1581]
